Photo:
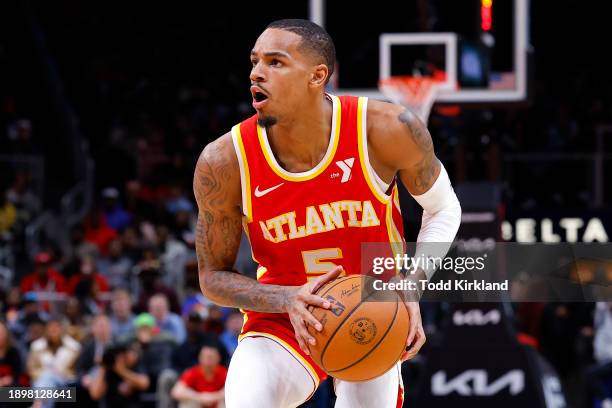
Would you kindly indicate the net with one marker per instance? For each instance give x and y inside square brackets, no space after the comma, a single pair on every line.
[415,92]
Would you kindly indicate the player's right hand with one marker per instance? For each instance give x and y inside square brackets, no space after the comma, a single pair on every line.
[300,298]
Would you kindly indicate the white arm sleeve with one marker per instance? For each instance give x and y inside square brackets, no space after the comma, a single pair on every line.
[440,221]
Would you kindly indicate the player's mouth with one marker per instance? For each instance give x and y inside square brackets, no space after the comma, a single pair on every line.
[259,97]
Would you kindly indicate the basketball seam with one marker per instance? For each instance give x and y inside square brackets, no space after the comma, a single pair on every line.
[396,361]
[376,345]
[340,325]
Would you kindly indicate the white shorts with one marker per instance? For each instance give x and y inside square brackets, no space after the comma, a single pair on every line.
[264,373]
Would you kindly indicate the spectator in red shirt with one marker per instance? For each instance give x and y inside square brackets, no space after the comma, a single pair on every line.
[44,280]
[98,232]
[87,272]
[202,385]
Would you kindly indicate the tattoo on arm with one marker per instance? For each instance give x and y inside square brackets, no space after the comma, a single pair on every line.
[420,135]
[218,236]
[424,171]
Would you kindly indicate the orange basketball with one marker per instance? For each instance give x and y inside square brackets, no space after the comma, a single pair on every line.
[364,332]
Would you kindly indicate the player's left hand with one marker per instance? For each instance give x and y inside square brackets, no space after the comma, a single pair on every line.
[299,300]
[416,335]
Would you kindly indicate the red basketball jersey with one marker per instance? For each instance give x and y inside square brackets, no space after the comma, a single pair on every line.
[301,225]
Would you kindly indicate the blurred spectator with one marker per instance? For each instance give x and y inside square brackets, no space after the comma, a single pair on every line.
[22,197]
[116,266]
[178,201]
[166,320]
[79,247]
[599,375]
[98,232]
[131,244]
[45,280]
[195,303]
[76,315]
[120,379]
[151,284]
[215,321]
[184,227]
[28,311]
[116,217]
[173,254]
[52,358]
[10,360]
[156,346]
[141,200]
[194,299]
[151,149]
[87,270]
[186,353]
[6,274]
[233,327]
[93,349]
[11,299]
[149,238]
[12,304]
[203,384]
[122,318]
[88,285]
[8,214]
[35,329]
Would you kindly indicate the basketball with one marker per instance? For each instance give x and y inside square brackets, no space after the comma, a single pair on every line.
[364,332]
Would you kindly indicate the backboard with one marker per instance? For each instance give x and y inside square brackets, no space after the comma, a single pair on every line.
[480,46]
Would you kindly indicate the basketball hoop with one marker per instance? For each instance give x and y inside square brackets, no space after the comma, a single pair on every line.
[415,92]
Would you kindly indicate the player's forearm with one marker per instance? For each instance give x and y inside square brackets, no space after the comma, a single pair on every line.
[440,221]
[231,289]
[441,226]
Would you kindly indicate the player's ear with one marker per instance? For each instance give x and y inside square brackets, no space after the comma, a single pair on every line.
[319,75]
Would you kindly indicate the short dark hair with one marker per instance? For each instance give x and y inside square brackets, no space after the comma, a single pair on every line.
[315,39]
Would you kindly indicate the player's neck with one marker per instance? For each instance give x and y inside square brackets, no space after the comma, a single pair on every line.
[300,143]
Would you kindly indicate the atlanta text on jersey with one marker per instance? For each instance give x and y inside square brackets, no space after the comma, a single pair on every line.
[320,219]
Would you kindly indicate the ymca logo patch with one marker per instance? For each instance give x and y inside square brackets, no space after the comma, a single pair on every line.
[346,166]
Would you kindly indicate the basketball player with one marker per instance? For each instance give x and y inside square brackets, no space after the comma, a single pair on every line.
[309,177]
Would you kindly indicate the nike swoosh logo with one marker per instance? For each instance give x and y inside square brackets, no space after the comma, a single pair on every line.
[261,193]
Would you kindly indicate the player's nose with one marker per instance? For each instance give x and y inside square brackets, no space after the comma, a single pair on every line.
[257,74]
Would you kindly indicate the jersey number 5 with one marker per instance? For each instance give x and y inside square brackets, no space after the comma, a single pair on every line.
[314,263]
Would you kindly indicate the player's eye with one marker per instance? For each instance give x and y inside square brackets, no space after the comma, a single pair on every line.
[275,62]
[253,62]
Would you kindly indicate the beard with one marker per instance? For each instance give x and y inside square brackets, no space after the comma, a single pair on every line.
[266,121]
